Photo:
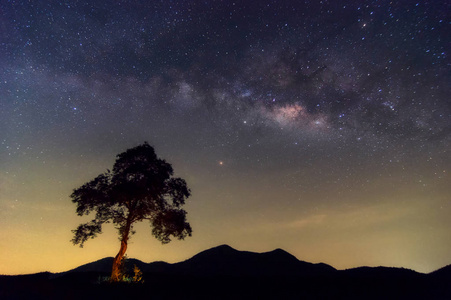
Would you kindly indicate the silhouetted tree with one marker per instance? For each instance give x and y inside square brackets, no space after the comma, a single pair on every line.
[140,187]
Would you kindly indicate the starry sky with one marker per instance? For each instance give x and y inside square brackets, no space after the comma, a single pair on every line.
[319,127]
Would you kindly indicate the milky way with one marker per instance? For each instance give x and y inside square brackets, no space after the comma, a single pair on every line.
[320,127]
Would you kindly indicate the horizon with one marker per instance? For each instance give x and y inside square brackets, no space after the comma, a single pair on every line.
[318,127]
[223,245]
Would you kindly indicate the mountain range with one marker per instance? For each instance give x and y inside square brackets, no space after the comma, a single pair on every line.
[226,273]
[223,261]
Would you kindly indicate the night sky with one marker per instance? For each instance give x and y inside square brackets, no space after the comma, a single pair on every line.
[319,127]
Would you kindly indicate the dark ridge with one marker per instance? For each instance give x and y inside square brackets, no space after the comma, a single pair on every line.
[280,253]
[225,260]
[220,260]
[222,250]
[104,265]
[445,271]
[388,272]
[101,265]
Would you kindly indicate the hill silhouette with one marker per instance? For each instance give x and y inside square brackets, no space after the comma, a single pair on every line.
[221,261]
[224,260]
[226,273]
[443,272]
[104,266]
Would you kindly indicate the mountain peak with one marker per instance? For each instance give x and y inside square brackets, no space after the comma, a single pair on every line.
[280,255]
[216,252]
[223,247]
[279,251]
[220,249]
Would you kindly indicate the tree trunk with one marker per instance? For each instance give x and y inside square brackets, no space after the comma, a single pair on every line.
[116,271]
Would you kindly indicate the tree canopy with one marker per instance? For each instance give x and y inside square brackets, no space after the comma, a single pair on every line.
[140,187]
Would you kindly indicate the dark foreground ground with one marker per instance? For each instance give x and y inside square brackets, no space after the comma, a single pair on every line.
[342,285]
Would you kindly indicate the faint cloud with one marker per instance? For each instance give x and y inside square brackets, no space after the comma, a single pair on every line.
[304,222]
[293,224]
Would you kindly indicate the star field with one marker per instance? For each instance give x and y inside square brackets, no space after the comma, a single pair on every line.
[319,127]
